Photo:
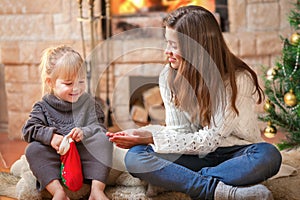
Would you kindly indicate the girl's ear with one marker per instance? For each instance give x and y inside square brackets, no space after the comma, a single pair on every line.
[49,83]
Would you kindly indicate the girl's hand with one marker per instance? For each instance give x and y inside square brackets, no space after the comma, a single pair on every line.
[56,140]
[76,134]
[129,138]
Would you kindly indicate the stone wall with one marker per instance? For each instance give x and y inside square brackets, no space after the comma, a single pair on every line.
[27,27]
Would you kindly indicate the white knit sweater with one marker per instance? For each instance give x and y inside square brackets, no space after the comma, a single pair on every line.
[182,136]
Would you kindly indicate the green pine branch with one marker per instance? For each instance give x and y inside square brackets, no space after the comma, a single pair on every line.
[294,17]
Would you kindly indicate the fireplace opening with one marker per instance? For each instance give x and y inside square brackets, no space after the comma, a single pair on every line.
[145,13]
[127,7]
[145,105]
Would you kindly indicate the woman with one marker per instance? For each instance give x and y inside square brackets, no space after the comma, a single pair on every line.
[210,147]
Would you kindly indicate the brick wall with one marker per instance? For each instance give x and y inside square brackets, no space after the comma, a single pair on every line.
[27,27]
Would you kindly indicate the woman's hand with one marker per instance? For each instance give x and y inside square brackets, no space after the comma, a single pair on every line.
[76,134]
[129,138]
[56,140]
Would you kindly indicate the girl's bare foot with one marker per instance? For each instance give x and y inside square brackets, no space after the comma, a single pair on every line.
[57,191]
[60,195]
[100,195]
[97,191]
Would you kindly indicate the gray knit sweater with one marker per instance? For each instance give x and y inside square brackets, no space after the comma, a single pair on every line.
[52,115]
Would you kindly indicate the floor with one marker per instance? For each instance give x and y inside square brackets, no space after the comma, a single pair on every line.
[11,150]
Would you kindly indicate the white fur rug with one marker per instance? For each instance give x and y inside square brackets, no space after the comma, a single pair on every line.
[133,190]
[123,186]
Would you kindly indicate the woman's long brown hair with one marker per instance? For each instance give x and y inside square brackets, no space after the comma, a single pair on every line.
[205,54]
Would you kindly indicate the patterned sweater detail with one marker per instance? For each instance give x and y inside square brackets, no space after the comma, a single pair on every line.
[182,136]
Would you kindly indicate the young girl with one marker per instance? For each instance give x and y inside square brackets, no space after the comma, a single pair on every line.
[66,109]
[210,147]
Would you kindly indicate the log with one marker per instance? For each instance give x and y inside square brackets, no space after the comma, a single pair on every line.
[157,114]
[152,97]
[139,114]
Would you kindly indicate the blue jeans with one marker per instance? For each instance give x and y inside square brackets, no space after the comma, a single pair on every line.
[198,176]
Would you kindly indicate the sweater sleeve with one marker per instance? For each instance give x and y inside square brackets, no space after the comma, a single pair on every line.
[180,137]
[36,127]
[95,120]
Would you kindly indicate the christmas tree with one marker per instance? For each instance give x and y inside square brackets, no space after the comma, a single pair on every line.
[282,88]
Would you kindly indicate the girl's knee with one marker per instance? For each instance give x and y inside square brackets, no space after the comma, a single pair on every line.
[33,149]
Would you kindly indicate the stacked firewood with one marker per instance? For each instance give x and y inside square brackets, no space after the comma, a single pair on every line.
[150,110]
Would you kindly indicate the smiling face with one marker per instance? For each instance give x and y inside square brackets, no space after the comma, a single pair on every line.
[172,50]
[69,89]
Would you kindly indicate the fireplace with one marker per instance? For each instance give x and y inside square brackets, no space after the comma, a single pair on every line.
[138,52]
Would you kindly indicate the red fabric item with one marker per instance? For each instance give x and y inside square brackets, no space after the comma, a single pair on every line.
[71,171]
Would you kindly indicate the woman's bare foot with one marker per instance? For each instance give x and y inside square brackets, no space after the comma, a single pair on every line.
[97,191]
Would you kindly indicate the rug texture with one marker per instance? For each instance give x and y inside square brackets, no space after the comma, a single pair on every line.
[132,189]
[20,184]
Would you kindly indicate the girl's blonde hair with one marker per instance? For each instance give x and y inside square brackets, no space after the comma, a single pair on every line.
[60,62]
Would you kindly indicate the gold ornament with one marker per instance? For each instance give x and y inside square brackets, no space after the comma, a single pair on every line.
[268,106]
[290,98]
[270,131]
[271,73]
[294,39]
